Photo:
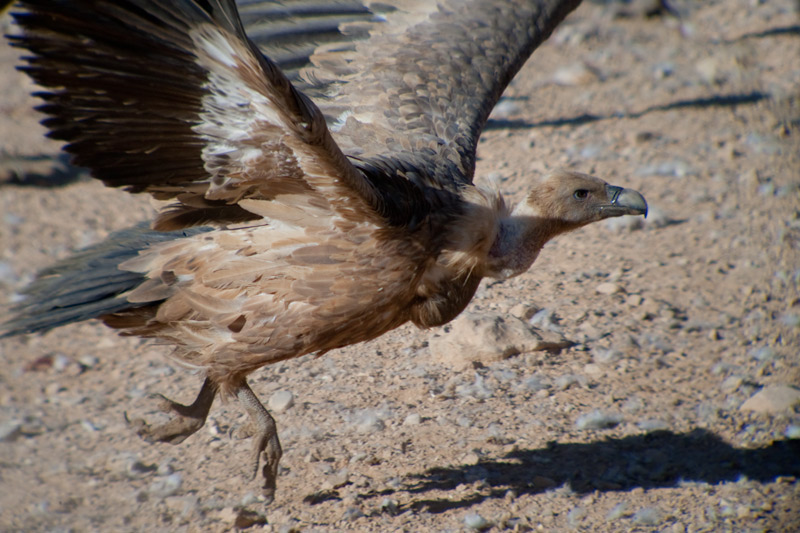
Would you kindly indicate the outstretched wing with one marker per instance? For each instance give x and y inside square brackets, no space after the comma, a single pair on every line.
[172,99]
[413,84]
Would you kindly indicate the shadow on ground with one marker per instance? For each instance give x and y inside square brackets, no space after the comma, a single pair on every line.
[653,460]
[56,171]
[722,100]
[41,170]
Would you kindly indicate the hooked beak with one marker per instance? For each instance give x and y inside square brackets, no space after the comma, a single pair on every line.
[623,202]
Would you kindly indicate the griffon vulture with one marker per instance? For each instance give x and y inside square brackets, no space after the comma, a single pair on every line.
[319,189]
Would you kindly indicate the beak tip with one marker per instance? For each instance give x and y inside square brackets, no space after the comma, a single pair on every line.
[632,201]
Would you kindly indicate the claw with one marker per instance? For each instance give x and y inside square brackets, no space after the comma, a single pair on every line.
[265,440]
[186,419]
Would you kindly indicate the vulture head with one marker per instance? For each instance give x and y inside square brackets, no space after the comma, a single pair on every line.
[557,203]
[572,200]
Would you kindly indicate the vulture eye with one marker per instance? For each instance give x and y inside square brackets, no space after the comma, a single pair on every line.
[581,194]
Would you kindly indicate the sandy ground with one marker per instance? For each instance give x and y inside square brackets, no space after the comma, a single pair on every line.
[674,410]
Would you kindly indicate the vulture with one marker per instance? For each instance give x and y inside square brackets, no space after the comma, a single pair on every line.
[315,173]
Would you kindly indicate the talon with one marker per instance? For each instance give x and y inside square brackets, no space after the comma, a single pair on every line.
[166,405]
[186,420]
[265,440]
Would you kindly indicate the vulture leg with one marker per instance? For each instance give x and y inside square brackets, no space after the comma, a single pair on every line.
[265,439]
[187,419]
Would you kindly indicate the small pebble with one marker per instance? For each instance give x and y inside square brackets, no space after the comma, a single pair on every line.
[368,421]
[280,401]
[412,420]
[732,383]
[545,319]
[213,428]
[673,168]
[634,300]
[707,412]
[336,480]
[575,515]
[88,361]
[792,431]
[471,458]
[388,505]
[567,380]
[657,218]
[9,431]
[246,519]
[653,424]
[248,499]
[183,505]
[166,486]
[598,420]
[533,384]
[633,404]
[592,369]
[89,426]
[608,288]
[505,109]
[53,389]
[791,319]
[478,389]
[575,74]
[624,224]
[763,353]
[476,522]
[619,510]
[61,362]
[226,514]
[709,71]
[165,468]
[351,513]
[606,355]
[648,516]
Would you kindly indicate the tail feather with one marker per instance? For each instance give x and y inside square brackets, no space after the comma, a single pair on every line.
[86,285]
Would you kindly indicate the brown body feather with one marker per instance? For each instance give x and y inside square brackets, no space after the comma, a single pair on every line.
[235,300]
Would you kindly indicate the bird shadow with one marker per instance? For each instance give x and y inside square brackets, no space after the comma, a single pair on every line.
[41,170]
[720,100]
[652,460]
[793,29]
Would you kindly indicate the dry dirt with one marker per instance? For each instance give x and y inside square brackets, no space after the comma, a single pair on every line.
[699,312]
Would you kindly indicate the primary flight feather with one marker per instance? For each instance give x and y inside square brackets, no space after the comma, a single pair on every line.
[318,183]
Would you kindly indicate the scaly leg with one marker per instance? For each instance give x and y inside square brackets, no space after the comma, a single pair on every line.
[265,439]
[187,419]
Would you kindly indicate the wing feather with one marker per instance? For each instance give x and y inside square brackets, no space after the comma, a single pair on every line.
[419,88]
[174,100]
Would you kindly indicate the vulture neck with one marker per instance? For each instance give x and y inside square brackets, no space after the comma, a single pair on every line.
[519,240]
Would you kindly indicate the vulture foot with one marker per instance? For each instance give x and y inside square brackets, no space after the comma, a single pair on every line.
[265,440]
[186,420]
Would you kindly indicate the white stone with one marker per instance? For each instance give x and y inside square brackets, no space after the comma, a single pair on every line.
[608,288]
[280,401]
[488,337]
[772,399]
[412,420]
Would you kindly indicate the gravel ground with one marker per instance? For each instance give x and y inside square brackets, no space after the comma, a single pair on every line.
[674,408]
